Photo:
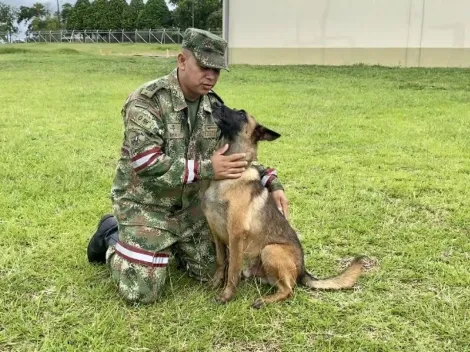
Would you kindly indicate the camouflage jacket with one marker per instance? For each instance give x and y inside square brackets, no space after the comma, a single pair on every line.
[163,158]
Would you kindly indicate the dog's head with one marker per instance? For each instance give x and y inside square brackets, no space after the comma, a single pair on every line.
[239,126]
[241,131]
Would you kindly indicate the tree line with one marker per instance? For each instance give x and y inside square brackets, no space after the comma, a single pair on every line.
[114,15]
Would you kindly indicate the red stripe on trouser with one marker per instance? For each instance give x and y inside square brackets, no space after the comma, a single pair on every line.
[141,262]
[138,250]
[143,251]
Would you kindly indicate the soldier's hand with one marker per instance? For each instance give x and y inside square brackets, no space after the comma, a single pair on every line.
[228,166]
[281,202]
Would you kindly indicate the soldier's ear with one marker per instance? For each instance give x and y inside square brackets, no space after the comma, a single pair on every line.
[262,133]
[181,62]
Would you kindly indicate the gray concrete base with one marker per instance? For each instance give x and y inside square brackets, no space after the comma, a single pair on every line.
[405,57]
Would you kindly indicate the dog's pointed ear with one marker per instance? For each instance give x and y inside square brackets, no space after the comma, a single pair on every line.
[217,107]
[265,134]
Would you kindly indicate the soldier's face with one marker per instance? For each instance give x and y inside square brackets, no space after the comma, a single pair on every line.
[198,80]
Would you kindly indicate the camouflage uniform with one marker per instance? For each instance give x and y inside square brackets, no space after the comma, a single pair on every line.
[156,187]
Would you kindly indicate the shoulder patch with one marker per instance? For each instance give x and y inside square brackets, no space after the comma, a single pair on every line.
[136,138]
[144,119]
[149,105]
[141,104]
[152,87]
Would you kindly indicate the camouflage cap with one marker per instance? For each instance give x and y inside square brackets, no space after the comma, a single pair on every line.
[207,48]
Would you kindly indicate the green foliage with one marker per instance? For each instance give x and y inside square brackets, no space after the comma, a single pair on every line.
[38,10]
[80,15]
[131,13]
[39,17]
[8,17]
[115,14]
[65,13]
[155,14]
[48,23]
[207,14]
[214,21]
[25,14]
[99,15]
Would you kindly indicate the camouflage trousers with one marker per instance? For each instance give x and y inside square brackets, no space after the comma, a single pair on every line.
[138,262]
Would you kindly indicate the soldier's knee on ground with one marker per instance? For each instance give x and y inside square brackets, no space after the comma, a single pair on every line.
[136,282]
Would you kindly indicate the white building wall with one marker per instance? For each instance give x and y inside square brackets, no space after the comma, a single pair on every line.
[391,32]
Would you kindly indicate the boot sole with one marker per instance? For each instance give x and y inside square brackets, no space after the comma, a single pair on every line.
[93,257]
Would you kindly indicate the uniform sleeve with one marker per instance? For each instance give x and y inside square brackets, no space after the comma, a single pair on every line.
[268,177]
[144,141]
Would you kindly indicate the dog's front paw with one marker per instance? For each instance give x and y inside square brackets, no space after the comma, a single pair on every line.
[224,297]
[220,299]
[258,303]
[217,280]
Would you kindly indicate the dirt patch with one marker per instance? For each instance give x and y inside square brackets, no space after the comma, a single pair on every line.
[167,53]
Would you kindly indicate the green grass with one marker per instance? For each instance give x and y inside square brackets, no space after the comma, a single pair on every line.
[374,161]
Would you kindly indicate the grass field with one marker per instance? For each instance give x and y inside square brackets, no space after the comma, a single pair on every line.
[374,161]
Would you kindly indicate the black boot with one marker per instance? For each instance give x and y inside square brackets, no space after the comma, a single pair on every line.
[106,234]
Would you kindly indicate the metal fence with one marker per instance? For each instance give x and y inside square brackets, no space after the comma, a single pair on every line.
[5,37]
[158,36]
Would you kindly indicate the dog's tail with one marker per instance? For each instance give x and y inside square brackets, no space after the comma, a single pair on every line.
[346,279]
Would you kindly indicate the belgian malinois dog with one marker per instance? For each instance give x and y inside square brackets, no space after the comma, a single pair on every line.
[243,216]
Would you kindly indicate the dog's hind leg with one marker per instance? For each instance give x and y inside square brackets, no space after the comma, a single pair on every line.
[255,270]
[281,272]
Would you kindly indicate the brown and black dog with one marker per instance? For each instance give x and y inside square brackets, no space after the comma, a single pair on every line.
[243,216]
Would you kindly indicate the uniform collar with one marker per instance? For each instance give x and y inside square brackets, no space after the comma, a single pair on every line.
[177,96]
[206,104]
